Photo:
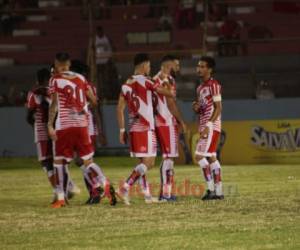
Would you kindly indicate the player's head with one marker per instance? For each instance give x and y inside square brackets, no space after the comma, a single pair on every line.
[206,66]
[80,68]
[43,76]
[62,62]
[167,64]
[142,64]
[176,67]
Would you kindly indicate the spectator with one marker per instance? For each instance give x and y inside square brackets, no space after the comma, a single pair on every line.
[229,38]
[107,72]
[200,11]
[165,21]
[186,14]
[264,91]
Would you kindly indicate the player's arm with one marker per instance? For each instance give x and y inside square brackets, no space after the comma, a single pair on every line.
[165,92]
[51,116]
[172,105]
[121,119]
[91,98]
[30,116]
[217,111]
[101,135]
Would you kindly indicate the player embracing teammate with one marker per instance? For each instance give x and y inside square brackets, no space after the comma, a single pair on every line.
[68,129]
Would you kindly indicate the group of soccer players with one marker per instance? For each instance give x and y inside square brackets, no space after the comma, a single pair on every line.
[61,110]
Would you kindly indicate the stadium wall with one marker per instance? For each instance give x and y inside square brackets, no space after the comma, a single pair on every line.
[16,138]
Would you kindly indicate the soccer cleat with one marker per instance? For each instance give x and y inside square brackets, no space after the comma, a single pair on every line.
[93,200]
[124,196]
[210,195]
[72,190]
[151,200]
[219,197]
[96,196]
[163,198]
[58,204]
[111,195]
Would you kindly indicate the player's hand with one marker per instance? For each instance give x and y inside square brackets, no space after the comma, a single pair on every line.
[123,137]
[196,107]
[204,133]
[52,133]
[102,139]
[183,127]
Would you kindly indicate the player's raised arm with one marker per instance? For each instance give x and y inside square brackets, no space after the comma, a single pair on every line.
[121,119]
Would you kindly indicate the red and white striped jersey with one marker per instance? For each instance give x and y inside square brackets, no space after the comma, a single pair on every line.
[208,93]
[38,100]
[72,109]
[92,120]
[162,114]
[138,93]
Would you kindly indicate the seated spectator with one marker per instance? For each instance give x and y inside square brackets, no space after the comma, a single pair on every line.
[107,71]
[200,11]
[264,91]
[229,38]
[186,14]
[165,21]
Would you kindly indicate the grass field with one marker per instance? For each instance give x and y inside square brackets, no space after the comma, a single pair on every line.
[261,211]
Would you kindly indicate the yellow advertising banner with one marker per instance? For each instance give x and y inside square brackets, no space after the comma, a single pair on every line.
[257,142]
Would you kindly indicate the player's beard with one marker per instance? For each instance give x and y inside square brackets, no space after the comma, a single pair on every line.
[174,74]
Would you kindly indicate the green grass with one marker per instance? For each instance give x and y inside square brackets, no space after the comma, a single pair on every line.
[261,211]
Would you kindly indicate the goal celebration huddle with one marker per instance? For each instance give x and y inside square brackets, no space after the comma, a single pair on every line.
[63,111]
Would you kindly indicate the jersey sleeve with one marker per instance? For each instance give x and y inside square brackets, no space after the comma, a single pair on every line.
[152,85]
[52,86]
[215,90]
[31,103]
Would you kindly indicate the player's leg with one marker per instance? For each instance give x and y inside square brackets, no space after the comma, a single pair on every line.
[70,188]
[62,150]
[79,163]
[138,173]
[168,139]
[142,146]
[201,154]
[216,171]
[93,174]
[45,158]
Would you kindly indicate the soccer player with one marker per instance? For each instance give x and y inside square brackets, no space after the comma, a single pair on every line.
[167,119]
[137,93]
[94,123]
[209,107]
[37,115]
[69,101]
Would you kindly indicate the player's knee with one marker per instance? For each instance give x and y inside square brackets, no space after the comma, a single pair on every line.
[212,159]
[87,162]
[78,162]
[149,162]
[47,165]
[199,157]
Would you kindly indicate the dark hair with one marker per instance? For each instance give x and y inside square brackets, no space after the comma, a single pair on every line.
[167,58]
[140,58]
[209,61]
[62,57]
[43,75]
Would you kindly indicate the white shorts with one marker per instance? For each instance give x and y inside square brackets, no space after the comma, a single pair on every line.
[207,147]
[142,144]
